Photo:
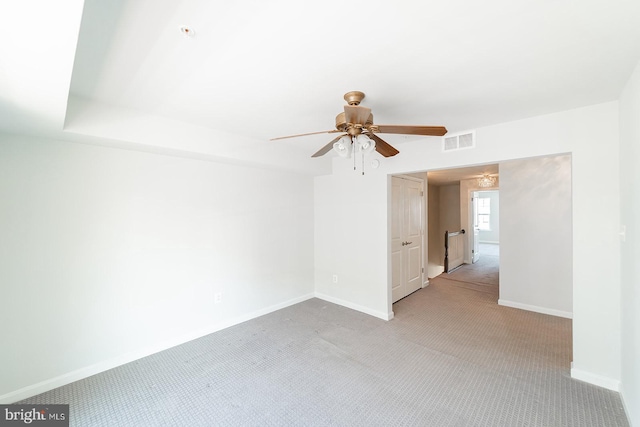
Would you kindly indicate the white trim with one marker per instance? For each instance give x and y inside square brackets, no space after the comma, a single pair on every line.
[425,284]
[79,374]
[624,404]
[360,308]
[435,271]
[537,309]
[599,380]
[410,178]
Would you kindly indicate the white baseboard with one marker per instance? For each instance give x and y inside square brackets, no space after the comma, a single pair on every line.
[79,374]
[425,284]
[348,304]
[624,404]
[600,381]
[435,271]
[535,308]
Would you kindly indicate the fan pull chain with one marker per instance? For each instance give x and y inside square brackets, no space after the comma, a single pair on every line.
[363,163]
[353,146]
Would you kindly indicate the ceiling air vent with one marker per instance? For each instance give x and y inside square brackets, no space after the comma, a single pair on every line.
[459,141]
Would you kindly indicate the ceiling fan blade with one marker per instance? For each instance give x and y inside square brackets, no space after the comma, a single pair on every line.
[356,114]
[305,134]
[324,150]
[382,147]
[412,130]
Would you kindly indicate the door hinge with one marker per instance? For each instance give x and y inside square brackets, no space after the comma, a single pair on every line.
[421,193]
[423,269]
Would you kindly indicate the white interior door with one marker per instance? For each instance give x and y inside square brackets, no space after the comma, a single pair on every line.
[406,236]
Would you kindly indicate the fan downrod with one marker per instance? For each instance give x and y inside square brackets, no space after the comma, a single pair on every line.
[354,97]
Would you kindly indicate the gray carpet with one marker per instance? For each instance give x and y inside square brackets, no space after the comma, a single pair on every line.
[484,271]
[451,357]
[491,249]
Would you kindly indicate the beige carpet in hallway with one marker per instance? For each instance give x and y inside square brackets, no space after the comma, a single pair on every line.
[482,276]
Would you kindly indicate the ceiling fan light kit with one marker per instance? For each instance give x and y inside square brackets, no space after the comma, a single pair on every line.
[343,146]
[360,133]
[366,145]
[348,144]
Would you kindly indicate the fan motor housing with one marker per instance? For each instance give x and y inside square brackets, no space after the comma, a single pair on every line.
[341,124]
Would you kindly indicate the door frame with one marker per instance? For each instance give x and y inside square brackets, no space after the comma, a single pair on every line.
[474,237]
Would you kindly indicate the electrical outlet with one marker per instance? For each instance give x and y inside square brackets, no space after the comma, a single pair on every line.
[335,278]
[217,297]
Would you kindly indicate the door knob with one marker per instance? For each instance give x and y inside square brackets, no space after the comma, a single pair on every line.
[406,243]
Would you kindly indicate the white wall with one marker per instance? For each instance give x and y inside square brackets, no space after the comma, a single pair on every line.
[536,245]
[435,264]
[449,214]
[449,205]
[630,247]
[351,241]
[108,255]
[590,134]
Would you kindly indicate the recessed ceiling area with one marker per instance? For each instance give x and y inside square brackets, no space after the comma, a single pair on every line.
[263,70]
[249,71]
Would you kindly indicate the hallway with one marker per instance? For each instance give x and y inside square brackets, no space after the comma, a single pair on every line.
[484,275]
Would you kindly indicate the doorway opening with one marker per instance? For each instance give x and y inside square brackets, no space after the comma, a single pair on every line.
[533,263]
[456,225]
[531,203]
[466,216]
[484,241]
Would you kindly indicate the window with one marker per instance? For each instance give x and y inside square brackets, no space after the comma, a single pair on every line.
[483,213]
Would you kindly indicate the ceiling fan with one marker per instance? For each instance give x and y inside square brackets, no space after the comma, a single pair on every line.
[356,126]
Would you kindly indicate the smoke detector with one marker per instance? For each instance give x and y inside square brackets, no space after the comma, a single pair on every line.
[187,31]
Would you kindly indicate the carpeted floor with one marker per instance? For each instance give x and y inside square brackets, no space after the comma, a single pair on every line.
[484,271]
[484,275]
[451,357]
[491,249]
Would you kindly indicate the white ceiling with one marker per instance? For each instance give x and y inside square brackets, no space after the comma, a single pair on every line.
[261,69]
[455,175]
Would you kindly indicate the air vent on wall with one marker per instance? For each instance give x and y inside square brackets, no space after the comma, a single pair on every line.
[459,141]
